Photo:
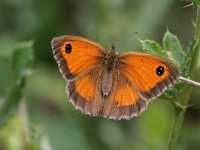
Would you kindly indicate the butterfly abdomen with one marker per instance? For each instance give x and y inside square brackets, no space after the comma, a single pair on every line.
[110,64]
[107,82]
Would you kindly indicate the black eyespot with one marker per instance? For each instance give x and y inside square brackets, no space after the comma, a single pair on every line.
[160,70]
[68,48]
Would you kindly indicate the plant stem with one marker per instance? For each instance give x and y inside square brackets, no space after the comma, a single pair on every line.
[185,93]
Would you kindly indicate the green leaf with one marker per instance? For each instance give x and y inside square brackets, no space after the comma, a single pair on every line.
[153,48]
[187,63]
[172,43]
[22,60]
[21,65]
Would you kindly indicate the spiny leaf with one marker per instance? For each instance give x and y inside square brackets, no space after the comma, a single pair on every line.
[20,68]
[153,48]
[172,43]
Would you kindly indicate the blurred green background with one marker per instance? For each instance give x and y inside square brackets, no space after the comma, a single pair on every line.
[49,112]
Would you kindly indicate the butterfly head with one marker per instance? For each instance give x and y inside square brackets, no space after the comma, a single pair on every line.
[111,58]
[112,48]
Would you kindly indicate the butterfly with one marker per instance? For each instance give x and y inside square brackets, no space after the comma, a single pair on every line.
[113,85]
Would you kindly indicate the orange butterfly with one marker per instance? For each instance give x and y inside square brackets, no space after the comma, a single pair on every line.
[117,86]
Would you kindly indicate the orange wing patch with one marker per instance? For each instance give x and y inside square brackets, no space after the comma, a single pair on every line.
[85,87]
[125,95]
[83,56]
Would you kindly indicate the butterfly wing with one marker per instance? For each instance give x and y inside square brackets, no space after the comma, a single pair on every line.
[75,55]
[80,62]
[124,101]
[150,75]
[84,92]
[139,78]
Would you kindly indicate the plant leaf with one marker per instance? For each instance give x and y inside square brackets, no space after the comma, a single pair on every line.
[153,48]
[172,43]
[22,59]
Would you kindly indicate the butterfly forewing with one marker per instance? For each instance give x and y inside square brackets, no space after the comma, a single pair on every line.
[150,74]
[75,55]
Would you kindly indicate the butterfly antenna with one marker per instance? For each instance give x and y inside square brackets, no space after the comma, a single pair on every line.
[113,48]
[189,81]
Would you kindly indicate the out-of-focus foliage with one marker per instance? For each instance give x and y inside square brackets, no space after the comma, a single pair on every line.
[53,123]
[19,67]
[14,131]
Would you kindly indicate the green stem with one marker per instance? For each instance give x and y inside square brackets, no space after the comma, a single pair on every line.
[185,93]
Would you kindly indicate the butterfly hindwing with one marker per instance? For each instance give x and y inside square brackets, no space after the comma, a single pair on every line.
[84,92]
[124,101]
